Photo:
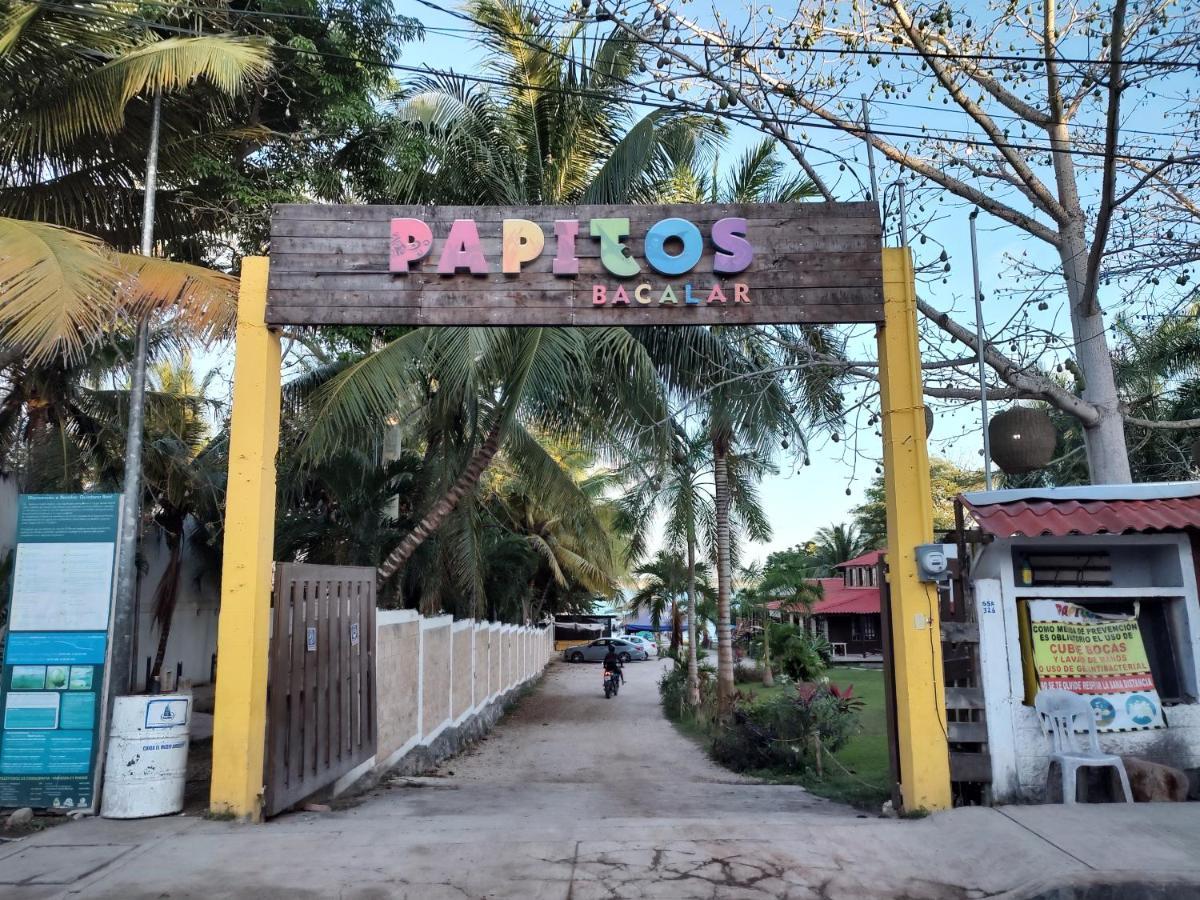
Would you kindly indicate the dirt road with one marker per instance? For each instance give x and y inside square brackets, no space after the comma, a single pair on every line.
[617,757]
[574,797]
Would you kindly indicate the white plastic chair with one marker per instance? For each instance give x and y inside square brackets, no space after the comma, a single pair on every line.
[1059,711]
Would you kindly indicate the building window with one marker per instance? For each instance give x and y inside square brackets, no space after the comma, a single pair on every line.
[863,628]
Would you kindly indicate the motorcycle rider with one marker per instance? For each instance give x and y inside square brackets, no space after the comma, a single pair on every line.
[612,663]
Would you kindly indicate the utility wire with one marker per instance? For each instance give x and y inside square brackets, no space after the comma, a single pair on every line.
[742,118]
[474,28]
[600,18]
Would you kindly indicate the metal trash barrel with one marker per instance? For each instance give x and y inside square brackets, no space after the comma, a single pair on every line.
[145,771]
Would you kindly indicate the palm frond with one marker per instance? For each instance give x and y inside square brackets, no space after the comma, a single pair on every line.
[204,300]
[94,101]
[59,286]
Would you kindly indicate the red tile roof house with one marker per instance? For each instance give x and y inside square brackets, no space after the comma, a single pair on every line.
[848,613]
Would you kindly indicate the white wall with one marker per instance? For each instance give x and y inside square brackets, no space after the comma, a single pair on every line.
[459,668]
[193,638]
[1019,749]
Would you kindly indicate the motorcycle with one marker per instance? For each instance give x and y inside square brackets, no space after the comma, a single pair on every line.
[612,683]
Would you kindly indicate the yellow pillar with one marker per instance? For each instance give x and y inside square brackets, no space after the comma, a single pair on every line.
[916,641]
[239,728]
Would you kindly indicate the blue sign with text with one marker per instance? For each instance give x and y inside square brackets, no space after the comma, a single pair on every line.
[52,686]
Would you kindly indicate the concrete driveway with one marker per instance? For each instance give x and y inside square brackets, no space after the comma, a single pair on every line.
[575,797]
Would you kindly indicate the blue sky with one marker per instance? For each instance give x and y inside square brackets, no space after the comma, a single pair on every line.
[800,499]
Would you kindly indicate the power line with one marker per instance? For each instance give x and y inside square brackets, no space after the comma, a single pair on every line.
[600,18]
[742,118]
[475,27]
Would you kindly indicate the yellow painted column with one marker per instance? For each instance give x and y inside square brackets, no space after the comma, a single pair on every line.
[239,728]
[916,641]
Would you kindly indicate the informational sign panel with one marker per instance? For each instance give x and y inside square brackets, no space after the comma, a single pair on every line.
[1102,657]
[52,690]
[684,264]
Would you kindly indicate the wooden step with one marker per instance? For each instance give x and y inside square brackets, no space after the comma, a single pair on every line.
[967,732]
[971,767]
[960,632]
[964,698]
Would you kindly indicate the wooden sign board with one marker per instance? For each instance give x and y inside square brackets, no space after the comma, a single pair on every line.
[704,264]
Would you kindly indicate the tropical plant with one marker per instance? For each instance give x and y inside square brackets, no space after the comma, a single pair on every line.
[557,130]
[678,486]
[75,89]
[183,485]
[777,586]
[947,481]
[787,732]
[663,581]
[836,544]
[734,373]
[574,544]
[475,391]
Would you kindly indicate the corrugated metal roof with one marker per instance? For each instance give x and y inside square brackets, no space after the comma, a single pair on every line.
[1145,491]
[848,601]
[870,558]
[1026,518]
[837,599]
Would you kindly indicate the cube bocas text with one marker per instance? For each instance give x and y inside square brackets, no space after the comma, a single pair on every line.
[583,265]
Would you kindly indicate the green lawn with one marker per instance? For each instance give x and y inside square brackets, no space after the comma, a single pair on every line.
[865,755]
[865,783]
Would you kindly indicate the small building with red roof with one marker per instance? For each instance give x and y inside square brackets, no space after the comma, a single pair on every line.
[847,614]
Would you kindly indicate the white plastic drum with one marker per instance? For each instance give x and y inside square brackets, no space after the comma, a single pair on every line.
[146,768]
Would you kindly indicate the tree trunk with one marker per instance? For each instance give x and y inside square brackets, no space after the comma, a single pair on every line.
[693,665]
[165,597]
[725,688]
[444,506]
[1107,453]
[676,627]
[768,677]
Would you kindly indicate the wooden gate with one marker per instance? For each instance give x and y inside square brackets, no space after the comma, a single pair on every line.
[321,679]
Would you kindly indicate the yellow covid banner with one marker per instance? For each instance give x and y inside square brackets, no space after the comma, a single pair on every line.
[1101,656]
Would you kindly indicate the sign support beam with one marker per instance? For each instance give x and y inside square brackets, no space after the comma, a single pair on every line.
[916,630]
[241,699]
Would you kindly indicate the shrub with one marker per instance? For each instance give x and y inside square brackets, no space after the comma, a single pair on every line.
[745,674]
[781,732]
[799,655]
[672,687]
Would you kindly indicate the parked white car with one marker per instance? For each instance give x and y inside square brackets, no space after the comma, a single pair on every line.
[649,646]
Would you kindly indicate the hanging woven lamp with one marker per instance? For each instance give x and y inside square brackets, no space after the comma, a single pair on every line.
[928,421]
[1023,439]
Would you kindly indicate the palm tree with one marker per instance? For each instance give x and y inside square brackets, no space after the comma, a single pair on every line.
[837,544]
[751,410]
[681,487]
[663,580]
[471,392]
[573,544]
[76,83]
[184,484]
[559,132]
[792,589]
